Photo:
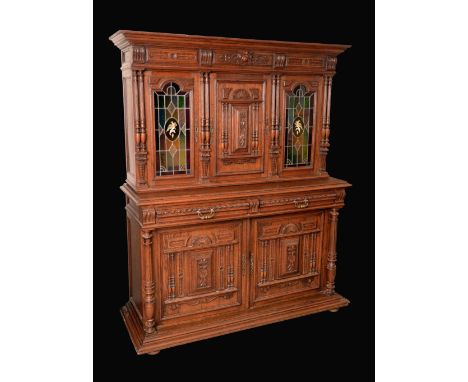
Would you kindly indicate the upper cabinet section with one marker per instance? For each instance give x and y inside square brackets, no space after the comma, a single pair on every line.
[201,111]
[162,50]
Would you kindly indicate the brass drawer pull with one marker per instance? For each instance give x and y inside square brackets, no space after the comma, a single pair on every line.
[301,203]
[206,214]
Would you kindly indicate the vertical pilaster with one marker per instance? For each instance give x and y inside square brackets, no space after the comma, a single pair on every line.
[148,283]
[331,261]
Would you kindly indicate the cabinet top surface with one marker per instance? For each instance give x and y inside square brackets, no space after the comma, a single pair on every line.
[125,38]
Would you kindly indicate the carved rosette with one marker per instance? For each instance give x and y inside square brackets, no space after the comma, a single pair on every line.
[324,142]
[245,57]
[148,284]
[331,261]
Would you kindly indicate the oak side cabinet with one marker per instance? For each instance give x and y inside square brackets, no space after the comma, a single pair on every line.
[231,214]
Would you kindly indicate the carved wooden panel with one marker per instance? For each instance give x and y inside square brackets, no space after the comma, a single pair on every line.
[240,105]
[286,255]
[201,269]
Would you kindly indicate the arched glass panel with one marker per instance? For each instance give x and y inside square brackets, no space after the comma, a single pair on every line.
[299,127]
[172,124]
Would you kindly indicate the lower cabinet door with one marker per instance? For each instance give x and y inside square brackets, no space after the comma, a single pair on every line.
[286,254]
[200,269]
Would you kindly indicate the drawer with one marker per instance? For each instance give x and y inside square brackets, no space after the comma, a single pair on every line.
[298,201]
[200,212]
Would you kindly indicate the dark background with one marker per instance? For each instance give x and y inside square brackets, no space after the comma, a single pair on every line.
[334,345]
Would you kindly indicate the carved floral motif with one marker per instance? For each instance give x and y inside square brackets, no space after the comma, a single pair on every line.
[245,58]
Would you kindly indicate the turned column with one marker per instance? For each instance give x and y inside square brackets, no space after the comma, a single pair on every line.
[141,153]
[331,260]
[274,141]
[325,133]
[205,126]
[148,282]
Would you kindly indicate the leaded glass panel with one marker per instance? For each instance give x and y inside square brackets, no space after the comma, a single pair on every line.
[172,124]
[299,127]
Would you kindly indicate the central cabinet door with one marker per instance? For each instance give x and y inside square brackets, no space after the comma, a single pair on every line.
[286,256]
[201,269]
[240,103]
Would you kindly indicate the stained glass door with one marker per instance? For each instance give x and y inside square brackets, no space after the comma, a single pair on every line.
[173,128]
[298,124]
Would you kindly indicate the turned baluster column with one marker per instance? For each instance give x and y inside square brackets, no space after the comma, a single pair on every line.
[331,260]
[141,152]
[274,146]
[205,128]
[324,142]
[148,283]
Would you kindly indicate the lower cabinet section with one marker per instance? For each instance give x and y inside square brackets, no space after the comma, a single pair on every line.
[198,281]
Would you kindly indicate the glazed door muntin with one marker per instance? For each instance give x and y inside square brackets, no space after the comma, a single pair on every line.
[201,269]
[286,255]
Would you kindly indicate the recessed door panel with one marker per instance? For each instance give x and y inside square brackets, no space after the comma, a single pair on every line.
[201,269]
[286,255]
[240,120]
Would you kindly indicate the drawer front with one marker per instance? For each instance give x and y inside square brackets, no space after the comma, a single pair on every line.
[286,255]
[200,212]
[201,269]
[296,202]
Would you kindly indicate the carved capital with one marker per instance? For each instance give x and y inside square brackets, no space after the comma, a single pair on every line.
[279,61]
[149,216]
[340,195]
[205,57]
[330,63]
[139,54]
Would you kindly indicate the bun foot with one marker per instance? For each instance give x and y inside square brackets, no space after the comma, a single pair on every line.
[154,352]
[334,310]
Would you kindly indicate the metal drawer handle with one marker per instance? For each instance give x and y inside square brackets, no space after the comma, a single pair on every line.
[301,203]
[206,214]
